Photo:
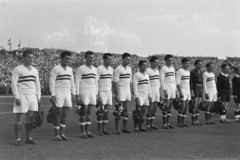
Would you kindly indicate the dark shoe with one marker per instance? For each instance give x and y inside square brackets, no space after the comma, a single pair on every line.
[165,126]
[222,121]
[18,142]
[83,135]
[58,138]
[126,131]
[227,121]
[90,135]
[149,129]
[185,125]
[180,125]
[170,126]
[64,138]
[136,130]
[143,130]
[199,124]
[106,132]
[100,133]
[211,122]
[118,132]
[207,122]
[154,128]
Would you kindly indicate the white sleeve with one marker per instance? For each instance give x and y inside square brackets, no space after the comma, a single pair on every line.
[160,83]
[162,76]
[204,83]
[116,75]
[135,85]
[15,76]
[130,75]
[149,88]
[96,81]
[53,77]
[179,76]
[78,80]
[73,89]
[38,86]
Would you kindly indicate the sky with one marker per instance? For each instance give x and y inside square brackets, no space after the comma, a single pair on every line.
[178,27]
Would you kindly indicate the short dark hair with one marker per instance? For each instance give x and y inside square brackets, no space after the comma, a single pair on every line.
[141,62]
[65,53]
[105,55]
[184,60]
[153,58]
[208,64]
[125,55]
[236,69]
[197,61]
[26,52]
[224,65]
[88,53]
[168,56]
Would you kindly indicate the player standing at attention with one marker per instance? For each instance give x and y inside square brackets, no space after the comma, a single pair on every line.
[196,80]
[168,83]
[142,92]
[183,86]
[236,93]
[123,88]
[223,88]
[153,73]
[105,79]
[61,87]
[87,93]
[27,92]
[210,91]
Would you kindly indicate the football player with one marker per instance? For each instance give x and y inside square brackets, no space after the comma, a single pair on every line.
[62,89]
[168,83]
[87,93]
[236,93]
[142,92]
[123,88]
[27,92]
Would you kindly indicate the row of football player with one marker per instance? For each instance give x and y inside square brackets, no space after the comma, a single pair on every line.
[96,84]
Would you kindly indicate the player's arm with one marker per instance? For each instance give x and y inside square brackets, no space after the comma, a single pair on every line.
[135,89]
[78,81]
[219,84]
[96,82]
[38,87]
[191,82]
[53,78]
[73,89]
[162,76]
[178,80]
[116,80]
[131,82]
[15,77]
[149,91]
[204,85]
[234,87]
[98,76]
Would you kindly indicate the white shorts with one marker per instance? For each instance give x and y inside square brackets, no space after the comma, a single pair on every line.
[105,97]
[171,91]
[29,102]
[88,96]
[63,99]
[212,94]
[124,94]
[155,94]
[186,95]
[143,99]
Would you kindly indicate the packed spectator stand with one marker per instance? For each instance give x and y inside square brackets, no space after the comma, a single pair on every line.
[44,62]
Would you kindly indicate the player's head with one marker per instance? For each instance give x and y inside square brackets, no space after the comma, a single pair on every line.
[27,57]
[89,55]
[225,68]
[65,58]
[107,58]
[209,66]
[126,57]
[142,65]
[237,70]
[168,59]
[198,64]
[185,63]
[154,61]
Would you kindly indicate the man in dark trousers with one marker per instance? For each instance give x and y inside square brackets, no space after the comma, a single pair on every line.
[223,88]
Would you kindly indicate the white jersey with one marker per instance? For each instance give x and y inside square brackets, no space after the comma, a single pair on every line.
[208,81]
[167,75]
[123,76]
[141,84]
[183,78]
[62,79]
[25,81]
[154,77]
[86,78]
[105,77]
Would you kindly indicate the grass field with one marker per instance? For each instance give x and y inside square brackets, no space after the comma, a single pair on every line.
[220,141]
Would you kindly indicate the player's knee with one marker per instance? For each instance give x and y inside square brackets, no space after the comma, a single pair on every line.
[124,113]
[63,119]
[148,115]
[153,114]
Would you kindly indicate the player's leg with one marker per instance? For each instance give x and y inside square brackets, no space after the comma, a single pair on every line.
[117,120]
[153,115]
[180,115]
[18,127]
[185,113]
[143,109]
[227,99]
[164,114]
[105,116]
[59,105]
[236,110]
[125,111]
[28,127]
[88,120]
[197,103]
[63,121]
[148,118]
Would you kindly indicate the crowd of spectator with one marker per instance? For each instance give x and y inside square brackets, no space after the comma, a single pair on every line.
[44,62]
